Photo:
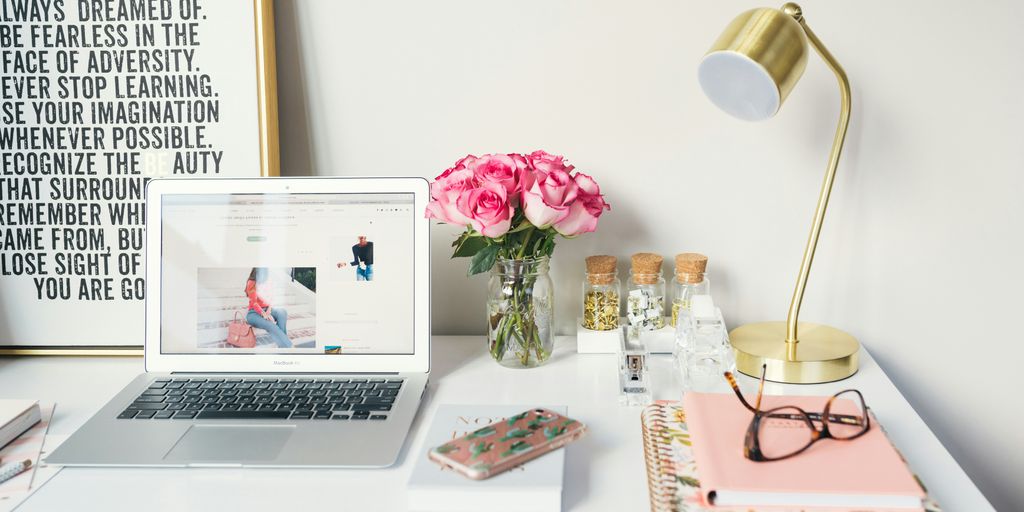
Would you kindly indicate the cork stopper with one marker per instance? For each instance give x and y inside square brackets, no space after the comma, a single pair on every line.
[646,267]
[690,267]
[601,269]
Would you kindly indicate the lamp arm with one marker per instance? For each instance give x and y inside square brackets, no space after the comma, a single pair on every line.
[826,187]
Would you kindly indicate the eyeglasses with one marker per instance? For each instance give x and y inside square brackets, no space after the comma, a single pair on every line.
[779,433]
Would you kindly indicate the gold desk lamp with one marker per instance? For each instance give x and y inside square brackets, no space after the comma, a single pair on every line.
[748,72]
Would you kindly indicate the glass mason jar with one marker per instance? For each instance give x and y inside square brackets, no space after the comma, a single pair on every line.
[520,307]
[645,303]
[601,301]
[684,287]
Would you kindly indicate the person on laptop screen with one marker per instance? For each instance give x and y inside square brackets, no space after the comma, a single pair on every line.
[262,315]
[362,259]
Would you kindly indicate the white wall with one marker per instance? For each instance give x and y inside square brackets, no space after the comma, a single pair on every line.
[922,252]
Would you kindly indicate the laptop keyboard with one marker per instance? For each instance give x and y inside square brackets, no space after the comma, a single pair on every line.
[265,399]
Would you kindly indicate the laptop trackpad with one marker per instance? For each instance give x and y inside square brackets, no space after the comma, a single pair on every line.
[230,443]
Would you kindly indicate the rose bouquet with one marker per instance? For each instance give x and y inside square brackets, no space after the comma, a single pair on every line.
[513,208]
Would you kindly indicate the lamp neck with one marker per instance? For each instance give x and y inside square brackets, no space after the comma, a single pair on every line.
[830,173]
[794,11]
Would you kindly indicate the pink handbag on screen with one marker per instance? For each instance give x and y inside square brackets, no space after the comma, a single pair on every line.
[240,333]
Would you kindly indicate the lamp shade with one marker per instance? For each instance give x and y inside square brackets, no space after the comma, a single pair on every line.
[751,68]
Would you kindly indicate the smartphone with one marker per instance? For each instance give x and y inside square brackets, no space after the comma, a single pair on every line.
[507,443]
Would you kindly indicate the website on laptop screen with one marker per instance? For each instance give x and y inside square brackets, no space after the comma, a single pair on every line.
[308,273]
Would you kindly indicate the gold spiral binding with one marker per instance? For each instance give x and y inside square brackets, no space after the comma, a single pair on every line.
[661,477]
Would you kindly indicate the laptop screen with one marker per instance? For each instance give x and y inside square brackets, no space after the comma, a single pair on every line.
[289,273]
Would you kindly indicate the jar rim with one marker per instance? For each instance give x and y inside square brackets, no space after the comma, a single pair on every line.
[524,260]
[686,275]
[520,266]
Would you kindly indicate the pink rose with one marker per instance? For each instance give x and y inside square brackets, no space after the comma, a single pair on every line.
[446,190]
[548,199]
[499,169]
[545,162]
[488,209]
[464,162]
[586,184]
[539,164]
[583,213]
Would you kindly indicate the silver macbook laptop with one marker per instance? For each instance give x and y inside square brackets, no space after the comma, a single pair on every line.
[287,324]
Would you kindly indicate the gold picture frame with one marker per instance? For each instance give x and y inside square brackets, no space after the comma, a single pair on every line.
[269,164]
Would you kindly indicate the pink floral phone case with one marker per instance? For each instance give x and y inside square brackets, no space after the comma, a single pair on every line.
[505,444]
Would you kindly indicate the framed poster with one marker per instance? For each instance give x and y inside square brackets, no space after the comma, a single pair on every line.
[96,98]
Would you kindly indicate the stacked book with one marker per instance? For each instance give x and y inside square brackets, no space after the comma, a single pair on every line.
[536,486]
[17,416]
[695,462]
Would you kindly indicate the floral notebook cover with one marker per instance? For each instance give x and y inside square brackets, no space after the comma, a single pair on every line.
[672,476]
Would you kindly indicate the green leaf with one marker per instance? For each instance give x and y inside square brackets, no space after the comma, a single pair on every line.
[514,434]
[480,448]
[469,246]
[553,432]
[484,259]
[688,481]
[516,448]
[481,432]
[549,247]
[512,420]
[446,448]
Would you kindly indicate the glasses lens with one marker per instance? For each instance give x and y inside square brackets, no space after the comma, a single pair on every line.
[783,432]
[847,415]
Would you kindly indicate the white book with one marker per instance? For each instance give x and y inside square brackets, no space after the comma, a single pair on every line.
[16,416]
[535,486]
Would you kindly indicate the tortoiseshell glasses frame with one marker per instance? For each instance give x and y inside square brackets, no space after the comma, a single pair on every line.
[752,441]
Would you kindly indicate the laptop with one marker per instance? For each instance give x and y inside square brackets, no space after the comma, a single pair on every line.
[287,325]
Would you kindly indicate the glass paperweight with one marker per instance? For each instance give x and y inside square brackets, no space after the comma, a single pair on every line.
[634,377]
[703,352]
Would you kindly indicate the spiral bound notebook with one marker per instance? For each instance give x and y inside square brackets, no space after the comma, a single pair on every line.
[672,477]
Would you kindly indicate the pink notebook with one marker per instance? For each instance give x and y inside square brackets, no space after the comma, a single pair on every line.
[863,474]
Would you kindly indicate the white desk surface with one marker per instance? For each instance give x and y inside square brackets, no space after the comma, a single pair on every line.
[604,471]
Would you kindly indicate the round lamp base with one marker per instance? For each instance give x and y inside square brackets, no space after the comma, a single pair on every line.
[823,354]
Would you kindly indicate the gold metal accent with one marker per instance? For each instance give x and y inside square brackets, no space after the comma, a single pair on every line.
[826,186]
[270,162]
[770,38]
[266,83]
[601,310]
[797,352]
[824,354]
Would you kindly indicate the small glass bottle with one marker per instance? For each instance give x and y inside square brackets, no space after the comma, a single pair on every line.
[645,302]
[601,294]
[689,281]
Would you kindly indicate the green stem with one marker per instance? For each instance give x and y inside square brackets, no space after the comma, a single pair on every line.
[538,346]
[498,349]
[518,323]
[538,244]
[517,291]
[525,242]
